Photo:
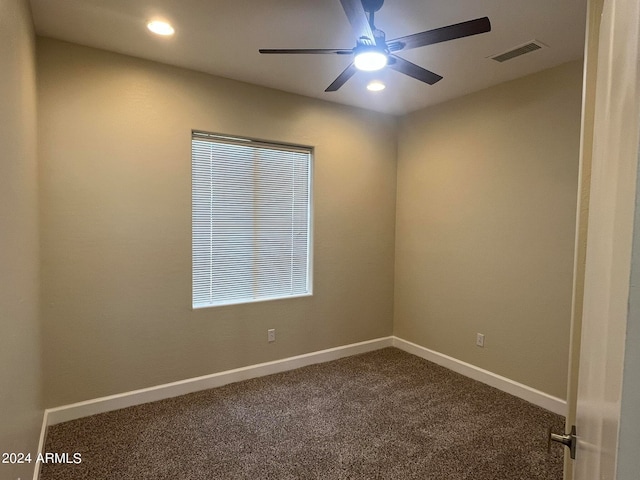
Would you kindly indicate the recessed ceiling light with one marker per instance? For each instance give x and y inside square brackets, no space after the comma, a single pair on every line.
[376,86]
[161,28]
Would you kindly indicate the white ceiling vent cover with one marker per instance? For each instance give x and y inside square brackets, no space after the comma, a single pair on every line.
[528,47]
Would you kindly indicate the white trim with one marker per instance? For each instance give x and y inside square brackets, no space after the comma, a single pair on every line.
[73,411]
[531,395]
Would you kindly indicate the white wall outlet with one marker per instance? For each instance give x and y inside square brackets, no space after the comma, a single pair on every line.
[271,335]
[480,339]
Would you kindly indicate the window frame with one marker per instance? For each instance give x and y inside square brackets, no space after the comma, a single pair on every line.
[250,141]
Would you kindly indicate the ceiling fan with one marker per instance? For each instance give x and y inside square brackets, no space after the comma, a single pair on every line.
[373,52]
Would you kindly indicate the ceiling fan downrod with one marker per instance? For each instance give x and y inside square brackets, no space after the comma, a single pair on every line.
[371,7]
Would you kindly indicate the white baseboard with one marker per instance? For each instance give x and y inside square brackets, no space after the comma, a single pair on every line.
[74,411]
[182,387]
[531,395]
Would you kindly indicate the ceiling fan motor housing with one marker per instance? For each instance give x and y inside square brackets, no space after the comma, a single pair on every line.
[380,39]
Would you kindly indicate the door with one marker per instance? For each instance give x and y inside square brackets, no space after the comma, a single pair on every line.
[607,398]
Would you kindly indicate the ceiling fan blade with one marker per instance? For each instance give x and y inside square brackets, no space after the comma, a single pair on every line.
[358,20]
[443,34]
[305,51]
[342,78]
[403,66]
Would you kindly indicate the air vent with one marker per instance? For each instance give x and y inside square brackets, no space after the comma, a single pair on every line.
[528,47]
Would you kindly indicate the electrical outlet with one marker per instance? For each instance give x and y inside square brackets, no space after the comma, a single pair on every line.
[480,339]
[271,335]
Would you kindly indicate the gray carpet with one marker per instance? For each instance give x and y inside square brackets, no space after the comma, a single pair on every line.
[381,415]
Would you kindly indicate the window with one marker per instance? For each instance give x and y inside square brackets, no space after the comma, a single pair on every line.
[251,217]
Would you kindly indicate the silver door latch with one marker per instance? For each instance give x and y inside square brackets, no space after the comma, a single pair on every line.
[568,440]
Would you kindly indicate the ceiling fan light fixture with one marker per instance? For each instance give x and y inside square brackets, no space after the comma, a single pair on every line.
[372,51]
[370,60]
[376,86]
[161,28]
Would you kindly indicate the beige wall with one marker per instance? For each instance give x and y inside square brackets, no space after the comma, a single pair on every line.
[486,199]
[115,148]
[485,226]
[20,371]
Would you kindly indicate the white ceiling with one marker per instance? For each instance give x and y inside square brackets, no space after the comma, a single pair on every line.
[222,37]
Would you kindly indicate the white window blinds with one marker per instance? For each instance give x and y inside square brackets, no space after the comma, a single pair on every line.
[250,220]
